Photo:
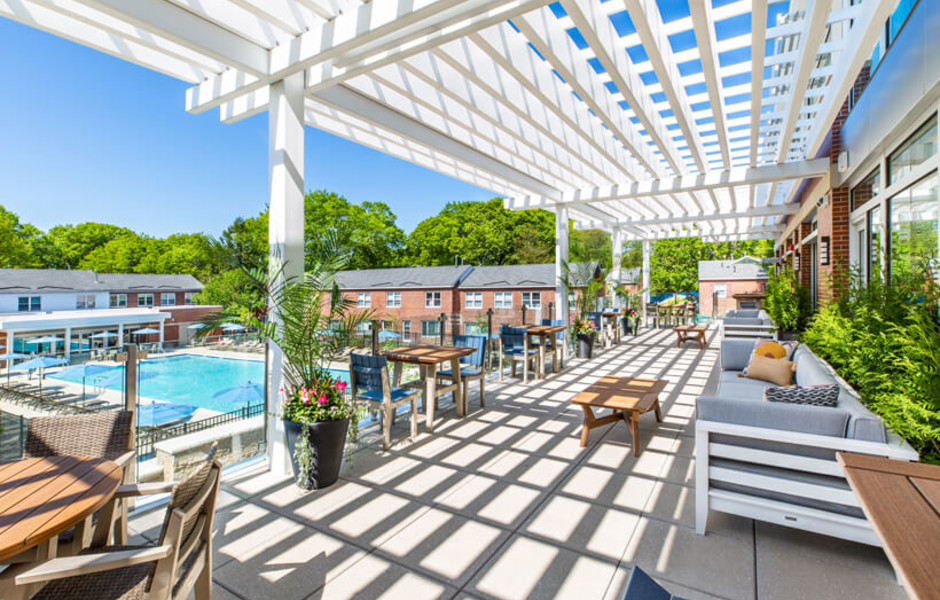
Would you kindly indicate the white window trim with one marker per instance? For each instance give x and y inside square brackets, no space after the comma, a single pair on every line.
[502,295]
[397,296]
[429,299]
[364,295]
[152,300]
[478,300]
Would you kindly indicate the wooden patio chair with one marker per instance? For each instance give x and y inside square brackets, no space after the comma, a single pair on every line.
[369,381]
[99,435]
[514,345]
[474,365]
[652,314]
[180,563]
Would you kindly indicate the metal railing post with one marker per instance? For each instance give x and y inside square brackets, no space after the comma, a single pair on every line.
[375,337]
[488,359]
[442,320]
[551,311]
[523,314]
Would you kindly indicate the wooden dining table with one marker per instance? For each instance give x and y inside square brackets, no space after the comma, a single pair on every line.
[42,497]
[546,333]
[428,358]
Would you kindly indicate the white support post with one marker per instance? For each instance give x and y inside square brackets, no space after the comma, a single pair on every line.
[616,262]
[561,259]
[10,346]
[285,231]
[120,336]
[647,249]
[68,343]
[161,332]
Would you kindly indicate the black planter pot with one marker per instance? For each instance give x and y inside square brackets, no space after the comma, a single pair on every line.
[585,345]
[327,441]
[626,326]
[636,326]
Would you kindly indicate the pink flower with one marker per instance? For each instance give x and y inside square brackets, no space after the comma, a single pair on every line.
[341,386]
[322,399]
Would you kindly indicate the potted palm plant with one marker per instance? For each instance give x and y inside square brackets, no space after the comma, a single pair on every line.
[585,332]
[584,281]
[312,324]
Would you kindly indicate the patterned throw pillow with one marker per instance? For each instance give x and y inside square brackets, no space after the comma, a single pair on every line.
[771,349]
[816,395]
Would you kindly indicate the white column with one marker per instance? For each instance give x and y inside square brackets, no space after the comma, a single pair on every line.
[561,259]
[647,248]
[161,332]
[68,343]
[120,336]
[10,346]
[285,230]
[616,263]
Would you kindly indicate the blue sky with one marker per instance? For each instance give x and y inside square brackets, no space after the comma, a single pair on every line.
[87,137]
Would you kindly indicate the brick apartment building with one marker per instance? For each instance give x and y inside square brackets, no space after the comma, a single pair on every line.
[719,281]
[411,300]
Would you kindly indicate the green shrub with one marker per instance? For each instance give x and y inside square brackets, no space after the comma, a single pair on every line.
[786,300]
[885,342]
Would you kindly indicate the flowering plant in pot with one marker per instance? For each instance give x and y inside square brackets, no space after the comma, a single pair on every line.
[585,331]
[631,318]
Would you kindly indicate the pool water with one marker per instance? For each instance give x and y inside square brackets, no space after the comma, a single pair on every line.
[189,379]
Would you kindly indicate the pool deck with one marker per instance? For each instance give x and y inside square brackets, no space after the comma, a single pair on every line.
[505,504]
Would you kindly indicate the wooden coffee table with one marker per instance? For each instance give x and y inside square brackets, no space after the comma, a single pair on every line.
[902,502]
[627,397]
[691,333]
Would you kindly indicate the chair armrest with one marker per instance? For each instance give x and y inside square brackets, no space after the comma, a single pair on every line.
[125,459]
[144,489]
[84,564]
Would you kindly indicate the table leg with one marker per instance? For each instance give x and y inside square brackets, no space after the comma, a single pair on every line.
[659,412]
[635,431]
[588,423]
[430,395]
[542,342]
[459,398]
[396,374]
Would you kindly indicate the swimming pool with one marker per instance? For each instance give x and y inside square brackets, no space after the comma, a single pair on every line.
[189,379]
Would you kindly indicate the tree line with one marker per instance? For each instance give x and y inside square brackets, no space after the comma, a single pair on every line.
[476,233]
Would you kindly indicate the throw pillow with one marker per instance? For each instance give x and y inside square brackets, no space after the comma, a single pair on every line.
[775,371]
[816,395]
[771,349]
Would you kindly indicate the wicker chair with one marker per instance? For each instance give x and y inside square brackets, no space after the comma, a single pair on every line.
[180,563]
[100,435]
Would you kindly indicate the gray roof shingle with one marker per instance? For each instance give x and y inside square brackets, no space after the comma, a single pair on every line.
[52,280]
[511,276]
[731,270]
[402,277]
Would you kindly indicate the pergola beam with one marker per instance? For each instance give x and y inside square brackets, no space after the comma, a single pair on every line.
[763,211]
[758,47]
[190,30]
[704,26]
[688,184]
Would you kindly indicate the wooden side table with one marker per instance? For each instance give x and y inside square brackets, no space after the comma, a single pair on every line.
[627,397]
[691,333]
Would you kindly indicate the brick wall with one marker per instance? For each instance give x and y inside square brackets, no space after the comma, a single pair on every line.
[507,316]
[413,309]
[706,290]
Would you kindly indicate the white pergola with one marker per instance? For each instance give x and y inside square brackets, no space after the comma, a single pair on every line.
[602,112]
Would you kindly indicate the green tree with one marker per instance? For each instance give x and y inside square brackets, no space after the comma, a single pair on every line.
[588,245]
[16,241]
[64,246]
[120,255]
[482,233]
[189,253]
[674,262]
[366,232]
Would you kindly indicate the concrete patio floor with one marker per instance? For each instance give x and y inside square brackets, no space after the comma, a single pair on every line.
[506,504]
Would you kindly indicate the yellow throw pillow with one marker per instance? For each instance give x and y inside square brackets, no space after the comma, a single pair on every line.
[771,350]
[773,370]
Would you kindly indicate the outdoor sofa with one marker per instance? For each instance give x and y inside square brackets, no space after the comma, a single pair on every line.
[749,324]
[775,461]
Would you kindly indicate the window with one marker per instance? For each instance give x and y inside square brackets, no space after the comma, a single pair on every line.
[721,290]
[867,189]
[29,303]
[364,328]
[474,329]
[118,300]
[406,329]
[432,299]
[532,299]
[913,215]
[473,300]
[502,299]
[167,299]
[430,328]
[84,301]
[144,299]
[190,298]
[918,148]
[393,300]
[874,248]
[363,299]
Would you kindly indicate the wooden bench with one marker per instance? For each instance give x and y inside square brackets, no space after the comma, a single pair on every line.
[627,397]
[691,333]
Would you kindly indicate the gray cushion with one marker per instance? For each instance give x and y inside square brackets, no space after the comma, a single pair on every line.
[735,354]
[818,420]
[741,388]
[744,321]
[743,314]
[810,372]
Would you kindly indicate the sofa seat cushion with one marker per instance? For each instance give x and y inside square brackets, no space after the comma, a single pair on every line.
[816,420]
[731,385]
